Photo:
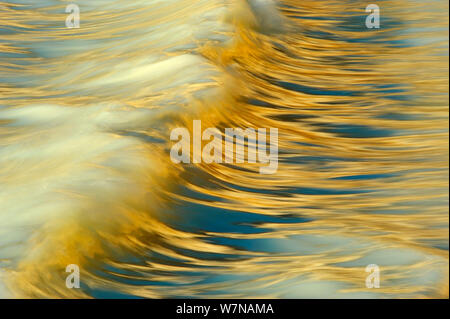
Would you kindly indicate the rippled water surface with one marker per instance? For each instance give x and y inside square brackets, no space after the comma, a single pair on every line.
[86,177]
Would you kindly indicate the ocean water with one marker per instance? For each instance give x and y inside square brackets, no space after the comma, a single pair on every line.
[86,176]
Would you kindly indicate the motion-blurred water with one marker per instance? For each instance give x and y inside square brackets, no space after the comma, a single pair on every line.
[86,176]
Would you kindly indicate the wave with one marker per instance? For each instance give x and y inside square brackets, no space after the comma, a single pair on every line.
[86,177]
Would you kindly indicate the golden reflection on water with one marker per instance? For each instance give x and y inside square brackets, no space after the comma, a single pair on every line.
[86,177]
